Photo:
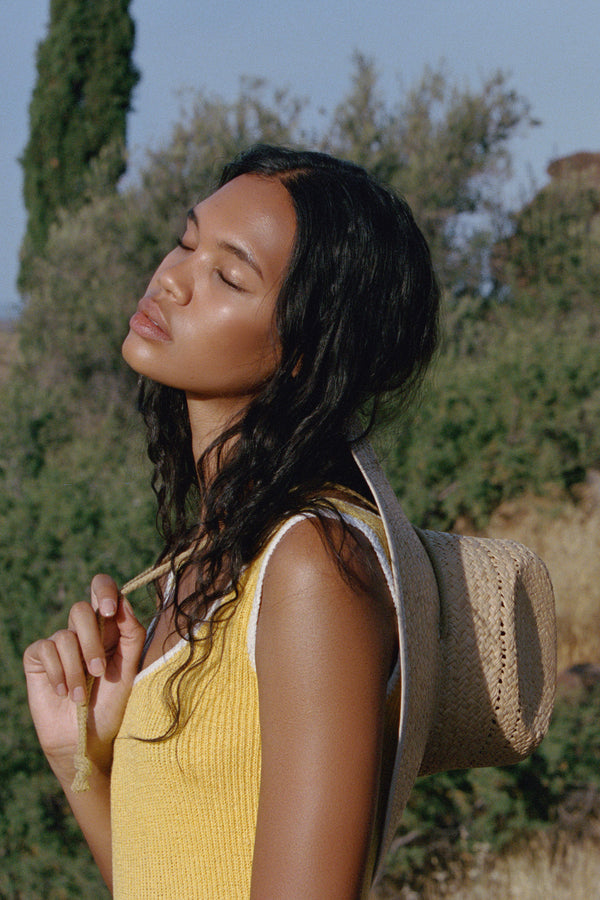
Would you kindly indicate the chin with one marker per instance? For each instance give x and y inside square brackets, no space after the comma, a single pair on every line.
[126,351]
[130,351]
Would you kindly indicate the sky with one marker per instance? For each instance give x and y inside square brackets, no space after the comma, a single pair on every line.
[550,51]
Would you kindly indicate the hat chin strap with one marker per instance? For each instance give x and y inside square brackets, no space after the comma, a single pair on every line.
[418,610]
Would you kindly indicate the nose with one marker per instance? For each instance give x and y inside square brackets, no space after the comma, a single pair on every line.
[176,283]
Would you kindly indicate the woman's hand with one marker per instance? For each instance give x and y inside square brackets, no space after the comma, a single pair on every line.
[56,669]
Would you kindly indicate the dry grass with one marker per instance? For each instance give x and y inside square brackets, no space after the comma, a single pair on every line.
[545,869]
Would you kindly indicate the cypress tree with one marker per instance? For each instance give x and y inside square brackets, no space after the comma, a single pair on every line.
[78,110]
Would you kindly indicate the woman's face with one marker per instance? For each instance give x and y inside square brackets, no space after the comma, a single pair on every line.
[206,322]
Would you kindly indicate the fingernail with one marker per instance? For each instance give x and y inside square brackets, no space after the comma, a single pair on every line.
[107,607]
[61,690]
[78,695]
[96,667]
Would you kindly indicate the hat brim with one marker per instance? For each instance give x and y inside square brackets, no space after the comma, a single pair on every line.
[417,607]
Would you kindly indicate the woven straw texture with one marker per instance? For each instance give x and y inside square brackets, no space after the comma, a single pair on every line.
[497,639]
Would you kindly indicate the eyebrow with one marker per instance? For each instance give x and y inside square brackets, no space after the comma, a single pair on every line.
[242,253]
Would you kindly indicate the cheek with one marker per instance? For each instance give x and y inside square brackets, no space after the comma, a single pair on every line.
[244,338]
[231,350]
[264,343]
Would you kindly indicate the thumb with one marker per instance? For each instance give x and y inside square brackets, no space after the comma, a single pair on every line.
[131,633]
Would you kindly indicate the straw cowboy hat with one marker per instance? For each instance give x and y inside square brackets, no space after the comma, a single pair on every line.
[477,645]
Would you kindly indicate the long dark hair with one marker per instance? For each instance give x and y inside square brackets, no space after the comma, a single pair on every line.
[357,318]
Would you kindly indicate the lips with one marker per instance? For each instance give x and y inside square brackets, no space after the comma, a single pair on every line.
[149,322]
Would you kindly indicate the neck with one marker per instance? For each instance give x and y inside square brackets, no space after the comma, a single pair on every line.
[210,418]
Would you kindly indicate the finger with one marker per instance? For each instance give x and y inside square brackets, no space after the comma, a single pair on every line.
[131,636]
[105,595]
[42,657]
[69,651]
[84,623]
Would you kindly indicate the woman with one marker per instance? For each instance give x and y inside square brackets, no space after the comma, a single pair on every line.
[244,742]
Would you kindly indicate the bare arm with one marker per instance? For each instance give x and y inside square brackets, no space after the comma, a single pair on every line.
[55,670]
[324,653]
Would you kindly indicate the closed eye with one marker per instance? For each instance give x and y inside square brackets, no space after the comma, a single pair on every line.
[221,275]
[231,284]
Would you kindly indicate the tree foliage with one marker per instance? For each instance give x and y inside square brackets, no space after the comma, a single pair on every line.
[444,148]
[74,497]
[553,251]
[130,231]
[85,78]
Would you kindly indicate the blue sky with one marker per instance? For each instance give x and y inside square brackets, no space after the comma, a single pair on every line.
[551,51]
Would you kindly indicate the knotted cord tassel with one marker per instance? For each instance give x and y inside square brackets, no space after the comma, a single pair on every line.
[83,766]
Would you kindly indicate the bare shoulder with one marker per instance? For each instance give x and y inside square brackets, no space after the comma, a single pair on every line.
[325,578]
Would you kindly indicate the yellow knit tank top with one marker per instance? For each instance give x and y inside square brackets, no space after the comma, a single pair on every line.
[184,809]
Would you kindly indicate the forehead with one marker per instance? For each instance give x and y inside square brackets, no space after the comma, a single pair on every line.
[253,211]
